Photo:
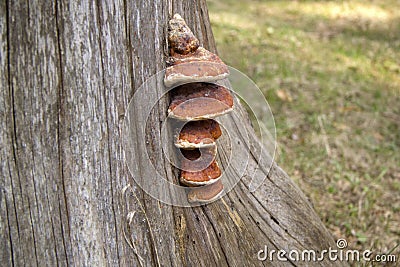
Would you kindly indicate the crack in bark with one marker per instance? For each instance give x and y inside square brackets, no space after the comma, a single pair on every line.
[51,221]
[129,49]
[58,8]
[99,22]
[35,200]
[13,123]
[205,212]
[8,221]
[8,164]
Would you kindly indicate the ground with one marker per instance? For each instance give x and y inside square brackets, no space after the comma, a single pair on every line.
[330,71]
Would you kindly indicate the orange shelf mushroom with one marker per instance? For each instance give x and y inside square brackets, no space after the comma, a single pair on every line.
[199,66]
[209,175]
[188,61]
[199,101]
[181,38]
[196,101]
[198,134]
[206,193]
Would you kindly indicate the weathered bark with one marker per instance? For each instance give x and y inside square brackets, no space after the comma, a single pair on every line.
[68,71]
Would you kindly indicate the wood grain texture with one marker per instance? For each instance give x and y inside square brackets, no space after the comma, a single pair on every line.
[68,70]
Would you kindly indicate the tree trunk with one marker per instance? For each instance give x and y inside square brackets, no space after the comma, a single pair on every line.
[68,71]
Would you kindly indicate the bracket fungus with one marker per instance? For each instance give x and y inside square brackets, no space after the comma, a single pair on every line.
[198,134]
[188,61]
[209,175]
[199,66]
[206,193]
[196,101]
[181,38]
[199,101]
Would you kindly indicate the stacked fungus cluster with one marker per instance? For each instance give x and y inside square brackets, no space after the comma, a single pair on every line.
[196,100]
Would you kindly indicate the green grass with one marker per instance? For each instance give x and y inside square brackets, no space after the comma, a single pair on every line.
[330,71]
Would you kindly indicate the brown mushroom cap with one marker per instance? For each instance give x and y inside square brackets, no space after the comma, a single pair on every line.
[206,193]
[199,66]
[199,101]
[197,134]
[201,54]
[181,38]
[209,175]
